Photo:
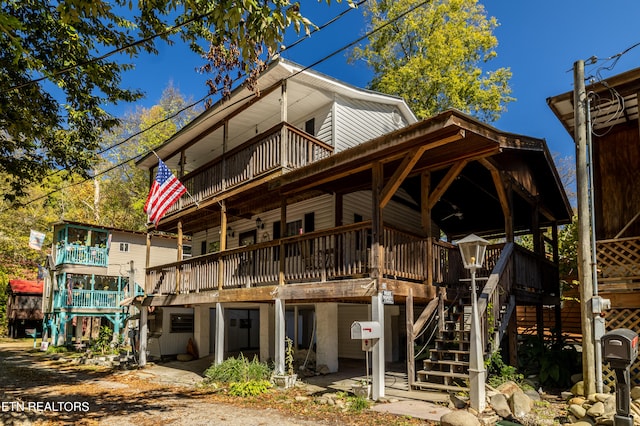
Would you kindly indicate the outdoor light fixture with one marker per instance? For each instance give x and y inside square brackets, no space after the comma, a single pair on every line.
[472,249]
[259,223]
[230,232]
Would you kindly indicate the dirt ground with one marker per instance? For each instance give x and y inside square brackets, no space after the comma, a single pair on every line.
[37,389]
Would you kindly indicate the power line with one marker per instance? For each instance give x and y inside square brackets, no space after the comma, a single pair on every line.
[326,57]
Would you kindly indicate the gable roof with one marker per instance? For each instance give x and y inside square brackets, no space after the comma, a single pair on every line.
[310,86]
[26,287]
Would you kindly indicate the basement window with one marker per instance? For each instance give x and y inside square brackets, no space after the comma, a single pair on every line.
[182,323]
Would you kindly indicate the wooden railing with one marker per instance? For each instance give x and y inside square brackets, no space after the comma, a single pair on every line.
[618,264]
[81,255]
[250,160]
[89,299]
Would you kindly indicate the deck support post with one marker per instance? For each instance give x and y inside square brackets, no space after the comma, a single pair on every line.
[220,326]
[143,330]
[477,372]
[377,315]
[279,337]
[411,356]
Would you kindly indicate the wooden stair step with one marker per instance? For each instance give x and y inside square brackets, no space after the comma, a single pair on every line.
[448,374]
[439,386]
[448,361]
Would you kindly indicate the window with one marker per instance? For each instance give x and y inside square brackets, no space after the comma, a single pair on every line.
[124,247]
[310,126]
[186,251]
[182,323]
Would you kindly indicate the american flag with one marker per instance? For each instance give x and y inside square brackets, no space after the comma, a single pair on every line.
[165,191]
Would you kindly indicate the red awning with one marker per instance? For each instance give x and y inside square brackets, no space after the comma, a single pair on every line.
[26,287]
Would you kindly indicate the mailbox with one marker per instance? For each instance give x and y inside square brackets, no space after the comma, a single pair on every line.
[365,330]
[620,347]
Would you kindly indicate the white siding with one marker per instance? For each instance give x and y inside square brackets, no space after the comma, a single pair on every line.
[322,206]
[395,214]
[323,123]
[359,121]
[169,343]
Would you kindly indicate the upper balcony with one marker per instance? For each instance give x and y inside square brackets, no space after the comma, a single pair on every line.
[280,148]
[78,254]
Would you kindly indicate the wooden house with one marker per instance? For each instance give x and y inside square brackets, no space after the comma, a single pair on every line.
[615,146]
[314,204]
[96,269]
[24,307]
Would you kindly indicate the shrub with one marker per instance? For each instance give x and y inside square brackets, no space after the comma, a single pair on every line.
[358,403]
[249,388]
[499,372]
[554,363]
[237,370]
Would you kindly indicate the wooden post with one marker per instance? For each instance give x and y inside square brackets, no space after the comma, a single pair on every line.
[146,265]
[223,242]
[376,223]
[179,268]
[411,359]
[283,230]
[556,261]
[584,231]
[425,210]
[283,119]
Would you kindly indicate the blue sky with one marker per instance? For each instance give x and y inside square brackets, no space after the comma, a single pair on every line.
[539,41]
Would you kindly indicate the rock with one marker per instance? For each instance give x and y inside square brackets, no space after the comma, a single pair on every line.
[601,397]
[323,369]
[520,404]
[533,394]
[301,398]
[508,388]
[459,418]
[577,400]
[566,395]
[577,411]
[610,405]
[583,422]
[596,410]
[635,392]
[500,405]
[457,402]
[578,389]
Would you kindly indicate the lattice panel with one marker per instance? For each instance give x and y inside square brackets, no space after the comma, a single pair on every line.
[622,318]
[619,258]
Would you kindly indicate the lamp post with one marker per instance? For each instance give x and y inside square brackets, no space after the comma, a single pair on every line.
[472,249]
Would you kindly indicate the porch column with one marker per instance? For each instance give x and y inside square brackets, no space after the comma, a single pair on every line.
[327,335]
[283,130]
[223,242]
[264,332]
[376,224]
[79,330]
[144,334]
[220,327]
[201,329]
[279,337]
[377,314]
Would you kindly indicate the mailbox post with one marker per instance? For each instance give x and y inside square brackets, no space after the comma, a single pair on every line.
[620,349]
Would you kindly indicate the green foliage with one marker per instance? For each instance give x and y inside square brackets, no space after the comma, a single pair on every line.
[358,403]
[498,372]
[237,370]
[249,388]
[432,56]
[56,349]
[59,123]
[103,342]
[554,363]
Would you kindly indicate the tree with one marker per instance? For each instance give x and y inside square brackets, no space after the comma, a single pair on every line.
[431,56]
[58,71]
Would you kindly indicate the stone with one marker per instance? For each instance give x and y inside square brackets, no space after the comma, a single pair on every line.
[601,397]
[577,411]
[577,400]
[184,357]
[301,398]
[520,404]
[459,418]
[500,405]
[533,394]
[596,410]
[457,402]
[635,392]
[583,422]
[578,389]
[610,405]
[566,395]
[323,370]
[508,388]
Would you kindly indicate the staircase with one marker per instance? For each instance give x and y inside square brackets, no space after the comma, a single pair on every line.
[447,366]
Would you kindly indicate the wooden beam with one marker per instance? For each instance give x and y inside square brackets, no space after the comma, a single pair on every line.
[502,197]
[444,184]
[425,315]
[223,242]
[400,174]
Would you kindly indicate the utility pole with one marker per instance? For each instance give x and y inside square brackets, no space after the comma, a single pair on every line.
[584,229]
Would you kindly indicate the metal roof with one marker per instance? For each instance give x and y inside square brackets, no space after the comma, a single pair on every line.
[613,101]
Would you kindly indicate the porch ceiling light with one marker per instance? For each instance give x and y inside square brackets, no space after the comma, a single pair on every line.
[230,232]
[472,249]
[259,223]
